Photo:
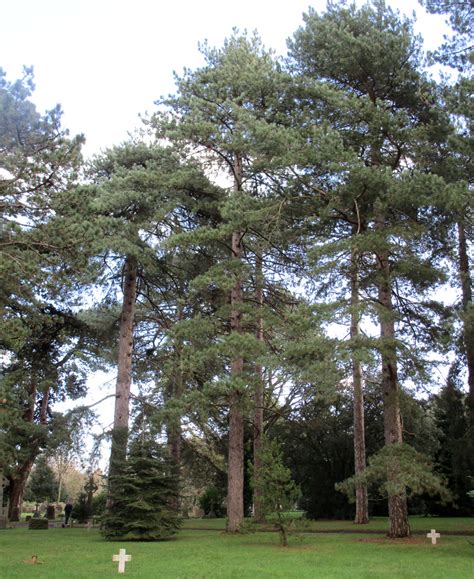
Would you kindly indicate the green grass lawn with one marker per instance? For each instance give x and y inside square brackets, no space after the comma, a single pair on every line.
[80,553]
[379,524]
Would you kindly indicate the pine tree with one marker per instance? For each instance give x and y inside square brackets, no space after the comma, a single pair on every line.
[223,114]
[382,107]
[137,191]
[39,163]
[278,492]
[143,495]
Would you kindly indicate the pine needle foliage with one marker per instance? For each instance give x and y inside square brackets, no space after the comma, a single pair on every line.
[397,468]
[142,495]
[278,491]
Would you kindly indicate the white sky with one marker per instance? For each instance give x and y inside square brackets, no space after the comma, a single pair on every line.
[106,61]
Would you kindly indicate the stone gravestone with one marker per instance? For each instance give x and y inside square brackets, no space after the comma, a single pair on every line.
[122,558]
[50,512]
[3,510]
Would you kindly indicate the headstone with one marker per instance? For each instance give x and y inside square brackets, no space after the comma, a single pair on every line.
[38,524]
[50,512]
[433,536]
[122,558]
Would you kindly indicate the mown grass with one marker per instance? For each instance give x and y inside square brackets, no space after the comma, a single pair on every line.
[379,524]
[199,554]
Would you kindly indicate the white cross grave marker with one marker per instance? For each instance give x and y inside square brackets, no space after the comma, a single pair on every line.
[121,558]
[433,536]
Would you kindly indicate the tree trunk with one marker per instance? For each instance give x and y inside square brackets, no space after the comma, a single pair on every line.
[17,488]
[468,315]
[173,427]
[397,504]
[174,441]
[258,511]
[60,488]
[398,514]
[175,392]
[235,483]
[362,504]
[22,471]
[118,452]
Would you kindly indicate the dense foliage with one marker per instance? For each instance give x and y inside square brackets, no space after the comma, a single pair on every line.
[142,497]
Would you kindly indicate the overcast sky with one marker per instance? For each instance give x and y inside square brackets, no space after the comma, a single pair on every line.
[106,61]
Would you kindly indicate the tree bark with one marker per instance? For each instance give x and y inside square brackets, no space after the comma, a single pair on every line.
[175,392]
[22,471]
[118,452]
[235,483]
[258,510]
[60,488]
[19,479]
[17,489]
[397,504]
[468,315]
[362,504]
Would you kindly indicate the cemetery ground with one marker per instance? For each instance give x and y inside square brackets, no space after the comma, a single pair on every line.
[202,549]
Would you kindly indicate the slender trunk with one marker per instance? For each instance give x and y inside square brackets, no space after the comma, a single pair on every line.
[258,511]
[468,314]
[282,530]
[60,488]
[124,369]
[397,503]
[173,427]
[362,504]
[62,467]
[235,483]
[174,440]
[175,393]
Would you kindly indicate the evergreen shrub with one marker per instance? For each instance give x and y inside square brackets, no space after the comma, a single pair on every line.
[142,497]
[211,503]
